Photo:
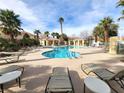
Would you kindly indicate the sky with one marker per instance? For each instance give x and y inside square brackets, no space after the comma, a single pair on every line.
[79,15]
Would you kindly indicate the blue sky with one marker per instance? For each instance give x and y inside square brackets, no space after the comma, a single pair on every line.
[79,15]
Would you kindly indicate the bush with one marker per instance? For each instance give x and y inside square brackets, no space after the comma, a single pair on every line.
[35,42]
[12,46]
[6,45]
[3,44]
[25,42]
[29,42]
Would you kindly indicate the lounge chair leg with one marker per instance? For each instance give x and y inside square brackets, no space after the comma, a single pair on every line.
[111,87]
[16,80]
[22,70]
[84,87]
[19,82]
[2,88]
[122,83]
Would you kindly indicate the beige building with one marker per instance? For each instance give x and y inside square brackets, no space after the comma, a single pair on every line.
[23,33]
[49,41]
[2,35]
[76,41]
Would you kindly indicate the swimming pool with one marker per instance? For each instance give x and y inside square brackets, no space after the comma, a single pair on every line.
[61,52]
[76,47]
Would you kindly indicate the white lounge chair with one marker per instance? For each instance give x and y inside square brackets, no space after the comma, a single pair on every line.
[59,81]
[14,58]
[104,74]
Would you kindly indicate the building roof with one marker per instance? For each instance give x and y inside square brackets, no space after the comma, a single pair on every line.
[23,33]
[75,38]
[48,38]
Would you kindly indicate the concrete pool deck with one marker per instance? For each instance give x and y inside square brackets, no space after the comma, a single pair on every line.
[38,69]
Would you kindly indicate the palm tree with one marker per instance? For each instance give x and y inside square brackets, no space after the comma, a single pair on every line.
[37,32]
[99,31]
[61,20]
[101,35]
[96,32]
[53,34]
[113,30]
[10,23]
[105,24]
[121,3]
[122,17]
[57,35]
[47,33]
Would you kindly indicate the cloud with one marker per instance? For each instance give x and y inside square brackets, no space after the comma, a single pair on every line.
[108,8]
[27,15]
[78,15]
[20,8]
[76,30]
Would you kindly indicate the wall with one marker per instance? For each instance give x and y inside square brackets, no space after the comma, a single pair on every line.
[113,45]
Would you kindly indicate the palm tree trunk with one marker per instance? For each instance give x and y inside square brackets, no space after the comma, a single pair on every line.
[106,40]
[61,28]
[95,38]
[106,36]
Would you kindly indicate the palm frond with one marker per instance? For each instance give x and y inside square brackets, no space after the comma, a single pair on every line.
[120,3]
[122,17]
[10,22]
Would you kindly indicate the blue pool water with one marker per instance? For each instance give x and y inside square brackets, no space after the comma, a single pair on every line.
[61,52]
[76,47]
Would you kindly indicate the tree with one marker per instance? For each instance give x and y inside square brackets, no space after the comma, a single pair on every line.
[53,34]
[113,30]
[3,44]
[57,35]
[106,24]
[96,32]
[10,23]
[25,41]
[105,29]
[37,32]
[121,3]
[47,33]
[65,37]
[61,20]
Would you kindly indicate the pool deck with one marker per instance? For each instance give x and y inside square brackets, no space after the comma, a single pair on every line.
[38,68]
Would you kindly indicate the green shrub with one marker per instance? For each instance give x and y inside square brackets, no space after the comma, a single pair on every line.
[29,42]
[7,45]
[3,44]
[35,42]
[12,46]
[25,42]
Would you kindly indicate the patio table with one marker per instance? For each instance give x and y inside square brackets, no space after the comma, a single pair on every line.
[96,85]
[7,77]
